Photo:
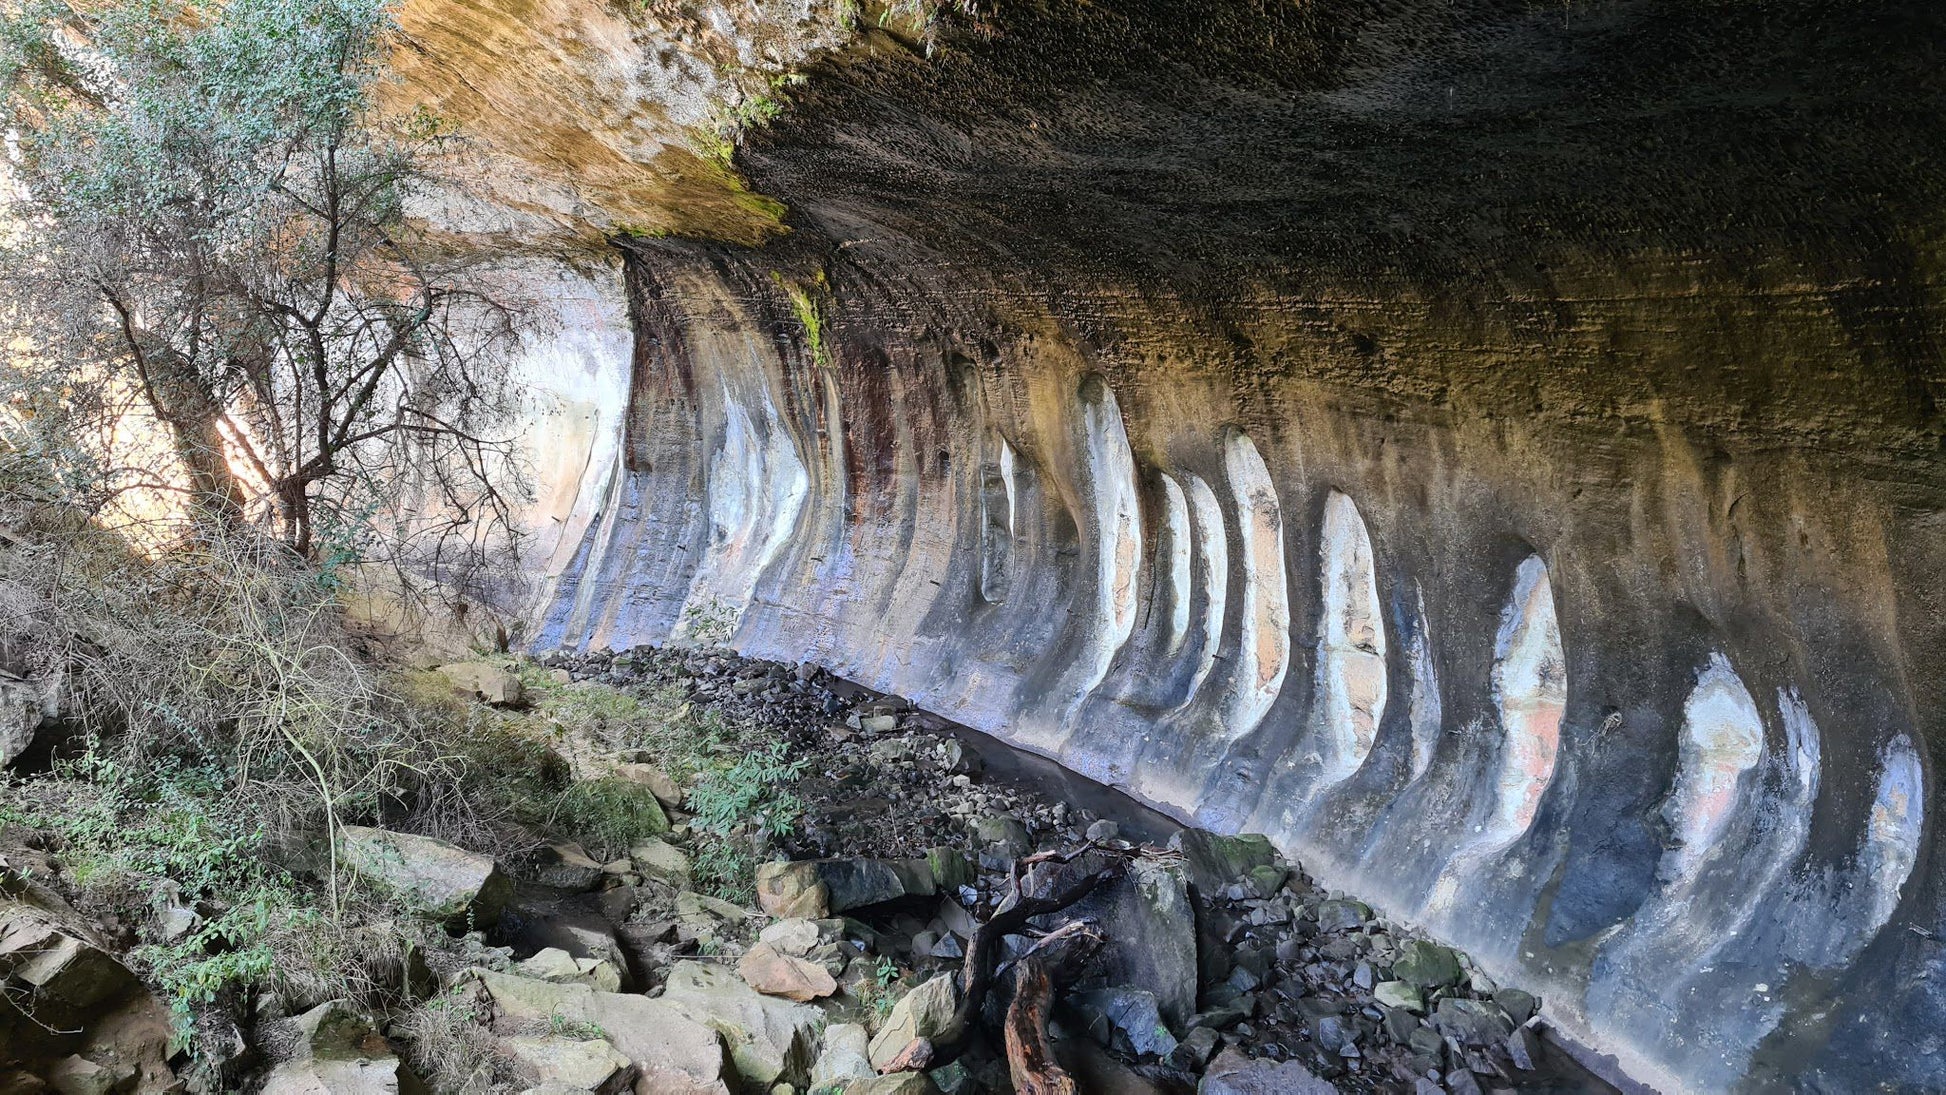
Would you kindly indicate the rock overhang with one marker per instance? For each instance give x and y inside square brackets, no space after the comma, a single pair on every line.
[1122,371]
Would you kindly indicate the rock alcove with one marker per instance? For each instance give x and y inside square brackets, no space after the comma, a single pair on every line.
[1489,447]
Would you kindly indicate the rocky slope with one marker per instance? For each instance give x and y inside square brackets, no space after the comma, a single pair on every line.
[1490,447]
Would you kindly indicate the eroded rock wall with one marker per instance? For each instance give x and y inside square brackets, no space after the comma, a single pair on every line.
[1491,448]
[1635,716]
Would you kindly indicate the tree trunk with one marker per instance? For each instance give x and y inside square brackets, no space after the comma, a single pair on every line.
[1030,1059]
[179,397]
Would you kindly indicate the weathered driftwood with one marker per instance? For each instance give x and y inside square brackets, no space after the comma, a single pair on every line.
[1055,958]
[983,957]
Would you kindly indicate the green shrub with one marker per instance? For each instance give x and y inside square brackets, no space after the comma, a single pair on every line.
[609,816]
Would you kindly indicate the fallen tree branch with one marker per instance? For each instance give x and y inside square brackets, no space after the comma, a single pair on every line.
[981,964]
[1030,1060]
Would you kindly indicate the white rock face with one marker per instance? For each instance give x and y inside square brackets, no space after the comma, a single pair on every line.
[1722,739]
[1530,687]
[1263,650]
[1351,674]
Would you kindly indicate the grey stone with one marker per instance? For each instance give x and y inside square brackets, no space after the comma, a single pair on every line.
[557,965]
[769,1038]
[899,1083]
[1104,830]
[566,866]
[445,881]
[921,1013]
[1427,965]
[674,1051]
[798,937]
[1126,1018]
[1232,1073]
[1195,1049]
[494,684]
[1524,1048]
[1267,879]
[1006,831]
[575,1064]
[655,779]
[338,1053]
[950,868]
[1150,926]
[1342,915]
[1471,1022]
[856,883]
[661,860]
[1335,1031]
[1399,1024]
[844,1054]
[1519,1006]
[1213,861]
[1399,994]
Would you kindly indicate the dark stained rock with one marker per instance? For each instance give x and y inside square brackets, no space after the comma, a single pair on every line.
[1148,926]
[856,883]
[1125,1018]
[1213,861]
[1471,1022]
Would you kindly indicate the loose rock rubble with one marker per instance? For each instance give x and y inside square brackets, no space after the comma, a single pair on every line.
[1224,968]
[1211,963]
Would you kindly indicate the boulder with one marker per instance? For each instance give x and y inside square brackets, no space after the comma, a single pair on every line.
[1343,915]
[792,889]
[798,937]
[1427,965]
[699,907]
[844,1054]
[446,881]
[1149,925]
[950,868]
[1125,1018]
[1006,831]
[1103,830]
[661,860]
[1232,1073]
[774,973]
[338,1052]
[494,684]
[1213,861]
[856,883]
[57,970]
[921,1013]
[671,1049]
[557,965]
[1471,1022]
[1520,1006]
[77,1075]
[1398,994]
[655,779]
[575,1064]
[769,1039]
[566,866]
[24,705]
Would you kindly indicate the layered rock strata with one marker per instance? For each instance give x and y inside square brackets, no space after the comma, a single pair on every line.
[1493,449]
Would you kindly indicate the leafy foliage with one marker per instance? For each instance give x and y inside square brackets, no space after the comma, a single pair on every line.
[211,236]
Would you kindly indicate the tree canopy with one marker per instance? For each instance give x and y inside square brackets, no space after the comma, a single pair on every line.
[211,229]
